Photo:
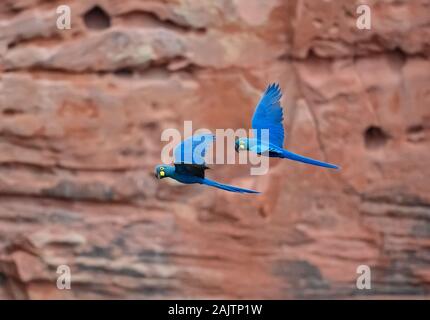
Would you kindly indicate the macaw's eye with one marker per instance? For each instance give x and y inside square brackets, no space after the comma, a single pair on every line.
[161,168]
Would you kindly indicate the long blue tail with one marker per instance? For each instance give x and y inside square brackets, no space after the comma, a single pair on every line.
[296,157]
[226,187]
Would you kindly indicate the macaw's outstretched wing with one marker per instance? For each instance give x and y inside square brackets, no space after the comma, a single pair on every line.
[193,149]
[269,115]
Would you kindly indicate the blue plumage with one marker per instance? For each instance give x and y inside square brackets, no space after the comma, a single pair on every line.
[193,149]
[268,116]
[227,187]
[189,165]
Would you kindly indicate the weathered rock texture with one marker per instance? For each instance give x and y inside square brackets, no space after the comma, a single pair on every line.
[82,111]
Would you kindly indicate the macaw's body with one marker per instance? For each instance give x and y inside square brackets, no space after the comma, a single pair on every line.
[189,166]
[268,131]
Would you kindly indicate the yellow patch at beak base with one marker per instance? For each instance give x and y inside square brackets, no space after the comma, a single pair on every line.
[161,173]
[242,146]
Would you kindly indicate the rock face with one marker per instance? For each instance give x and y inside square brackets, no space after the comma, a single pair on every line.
[82,111]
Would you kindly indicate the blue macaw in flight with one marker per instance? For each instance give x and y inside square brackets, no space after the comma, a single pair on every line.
[189,164]
[268,115]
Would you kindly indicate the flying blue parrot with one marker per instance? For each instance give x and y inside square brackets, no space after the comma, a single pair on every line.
[189,164]
[268,115]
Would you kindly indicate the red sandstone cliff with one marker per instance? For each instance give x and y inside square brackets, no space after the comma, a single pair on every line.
[82,110]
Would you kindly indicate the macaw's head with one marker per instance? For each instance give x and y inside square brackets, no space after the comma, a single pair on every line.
[241,144]
[162,171]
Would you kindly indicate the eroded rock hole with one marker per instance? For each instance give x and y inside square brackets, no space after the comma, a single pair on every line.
[11,112]
[375,137]
[415,133]
[124,72]
[97,19]
[415,129]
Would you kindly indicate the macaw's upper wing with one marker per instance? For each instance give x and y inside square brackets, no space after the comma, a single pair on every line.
[193,149]
[268,115]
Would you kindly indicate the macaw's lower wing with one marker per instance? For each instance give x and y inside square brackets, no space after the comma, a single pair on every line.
[195,170]
[226,187]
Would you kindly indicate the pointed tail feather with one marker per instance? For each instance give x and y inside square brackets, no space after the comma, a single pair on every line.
[296,157]
[226,187]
